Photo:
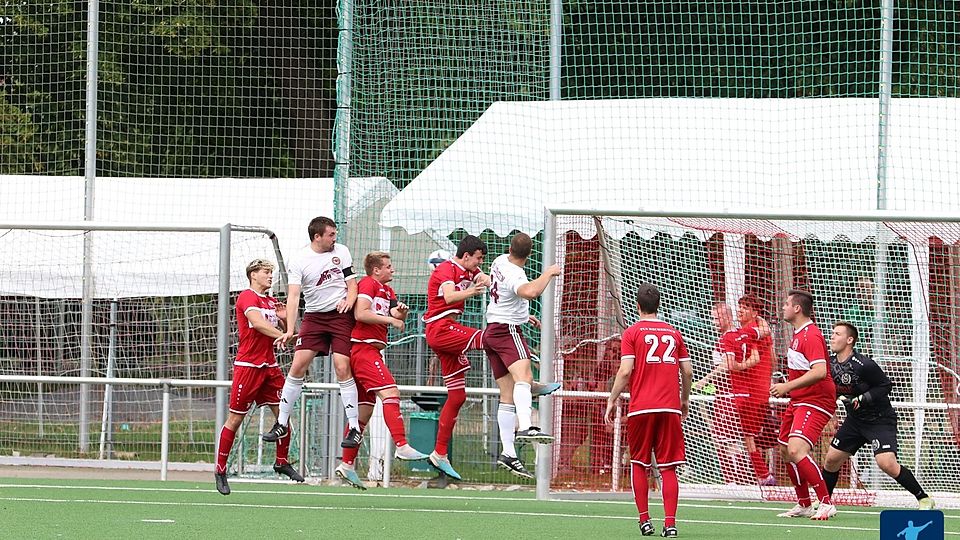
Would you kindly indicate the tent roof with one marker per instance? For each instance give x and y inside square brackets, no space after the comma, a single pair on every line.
[49,263]
[819,155]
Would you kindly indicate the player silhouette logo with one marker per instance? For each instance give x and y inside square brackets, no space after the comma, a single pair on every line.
[912,532]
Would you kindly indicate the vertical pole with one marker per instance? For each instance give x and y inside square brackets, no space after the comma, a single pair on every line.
[223,326]
[556,47]
[106,419]
[303,433]
[341,138]
[39,346]
[189,366]
[544,470]
[887,15]
[90,175]
[165,433]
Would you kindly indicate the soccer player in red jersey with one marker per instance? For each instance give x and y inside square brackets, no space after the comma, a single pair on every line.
[655,364]
[750,370]
[323,271]
[377,308]
[449,286]
[256,375]
[812,403]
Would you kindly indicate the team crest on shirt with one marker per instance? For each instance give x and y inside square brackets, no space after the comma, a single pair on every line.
[846,379]
[336,260]
[796,344]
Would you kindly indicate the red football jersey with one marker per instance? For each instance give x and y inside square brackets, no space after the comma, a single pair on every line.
[733,342]
[657,350]
[807,349]
[446,272]
[382,298]
[759,375]
[255,349]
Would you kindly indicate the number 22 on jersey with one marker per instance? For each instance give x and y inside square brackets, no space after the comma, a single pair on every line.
[660,349]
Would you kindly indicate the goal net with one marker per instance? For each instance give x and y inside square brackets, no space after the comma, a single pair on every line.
[153,314]
[897,281]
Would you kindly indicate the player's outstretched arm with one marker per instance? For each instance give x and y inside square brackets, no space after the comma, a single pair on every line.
[293,309]
[262,325]
[400,311]
[451,295]
[620,382]
[535,288]
[363,312]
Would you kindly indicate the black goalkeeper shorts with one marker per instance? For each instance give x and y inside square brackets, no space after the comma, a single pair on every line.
[853,434]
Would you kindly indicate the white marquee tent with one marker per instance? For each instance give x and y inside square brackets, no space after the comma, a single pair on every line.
[788,155]
[50,263]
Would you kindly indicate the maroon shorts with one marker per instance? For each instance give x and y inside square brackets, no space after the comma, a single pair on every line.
[659,433]
[753,413]
[451,340]
[370,372]
[260,385]
[320,332]
[804,422]
[504,344]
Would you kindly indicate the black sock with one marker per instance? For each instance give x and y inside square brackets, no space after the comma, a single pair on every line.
[831,478]
[909,483]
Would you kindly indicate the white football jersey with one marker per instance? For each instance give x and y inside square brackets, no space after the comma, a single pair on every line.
[505,305]
[321,276]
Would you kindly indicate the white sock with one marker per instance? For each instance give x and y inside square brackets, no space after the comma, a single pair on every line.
[288,398]
[507,420]
[348,395]
[524,401]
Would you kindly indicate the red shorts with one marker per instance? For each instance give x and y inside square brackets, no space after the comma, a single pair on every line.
[260,385]
[804,422]
[321,330]
[504,344]
[660,433]
[370,372]
[752,413]
[451,340]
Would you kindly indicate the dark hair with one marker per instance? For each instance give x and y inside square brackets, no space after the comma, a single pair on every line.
[750,301]
[318,225]
[648,298]
[851,329]
[803,299]
[374,260]
[470,244]
[521,245]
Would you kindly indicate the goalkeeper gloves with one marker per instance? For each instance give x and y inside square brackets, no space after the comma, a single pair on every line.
[852,401]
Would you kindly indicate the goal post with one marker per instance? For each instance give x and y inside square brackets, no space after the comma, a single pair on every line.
[894,275]
[159,298]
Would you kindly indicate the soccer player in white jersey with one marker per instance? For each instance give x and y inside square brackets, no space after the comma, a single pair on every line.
[506,347]
[324,272]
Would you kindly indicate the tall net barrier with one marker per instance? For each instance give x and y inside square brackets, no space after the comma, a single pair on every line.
[153,301]
[895,281]
[654,106]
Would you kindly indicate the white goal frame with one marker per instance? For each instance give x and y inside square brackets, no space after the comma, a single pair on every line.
[549,351]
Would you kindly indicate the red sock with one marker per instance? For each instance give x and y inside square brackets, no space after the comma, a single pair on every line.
[803,491]
[350,454]
[456,396]
[223,451]
[394,420]
[759,464]
[810,474]
[283,447]
[641,492]
[671,496]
